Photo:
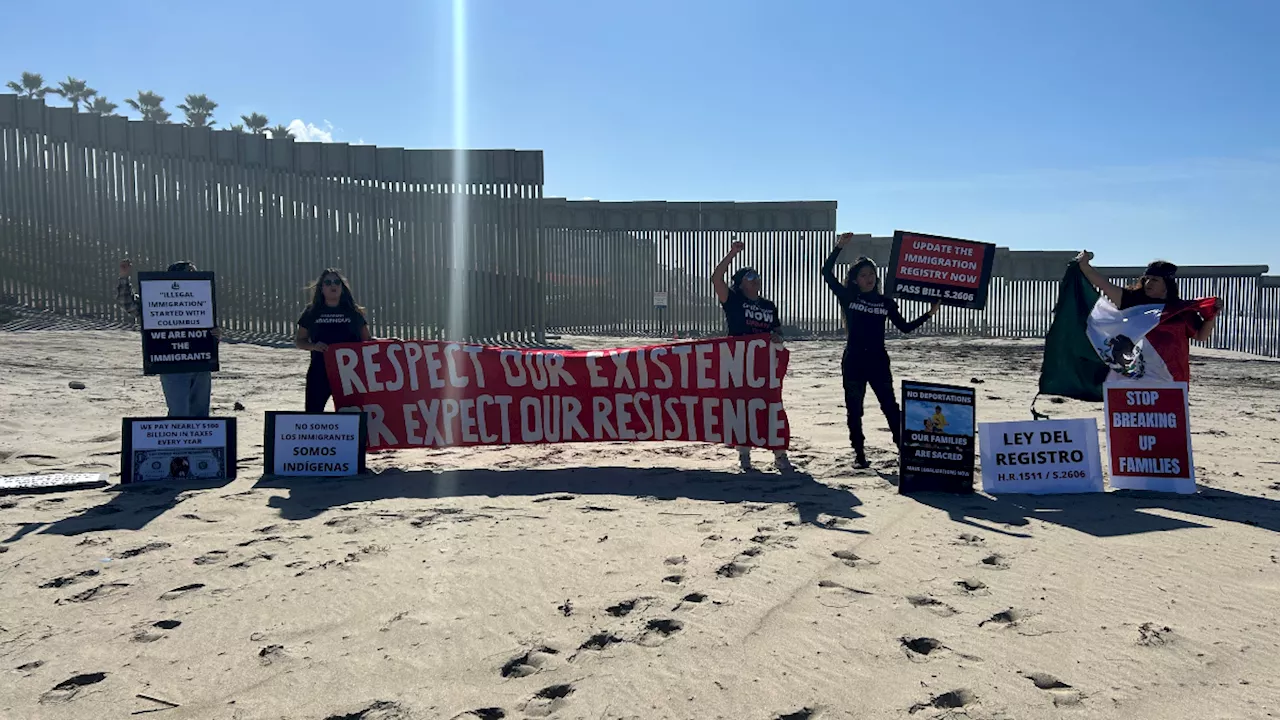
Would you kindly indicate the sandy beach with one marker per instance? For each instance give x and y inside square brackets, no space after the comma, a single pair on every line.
[597,581]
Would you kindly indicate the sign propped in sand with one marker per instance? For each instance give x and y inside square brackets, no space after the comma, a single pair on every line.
[1149,437]
[156,449]
[937,438]
[315,444]
[53,482]
[179,315]
[1041,457]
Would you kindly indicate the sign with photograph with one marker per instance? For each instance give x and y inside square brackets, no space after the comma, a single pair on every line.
[179,314]
[1149,437]
[937,438]
[156,449]
[1041,457]
[932,268]
[315,444]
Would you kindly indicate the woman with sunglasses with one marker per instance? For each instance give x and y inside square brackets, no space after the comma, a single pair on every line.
[747,313]
[1181,321]
[866,361]
[332,317]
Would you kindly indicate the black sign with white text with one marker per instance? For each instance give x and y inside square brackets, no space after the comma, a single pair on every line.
[179,315]
[315,444]
[937,452]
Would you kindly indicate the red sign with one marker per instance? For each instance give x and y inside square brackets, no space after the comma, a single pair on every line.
[442,394]
[1149,437]
[931,267]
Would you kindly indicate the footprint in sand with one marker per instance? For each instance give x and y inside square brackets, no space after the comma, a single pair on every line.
[600,641]
[1007,618]
[547,701]
[953,700]
[149,547]
[933,605]
[733,569]
[178,592]
[96,593]
[530,662]
[1152,635]
[489,713]
[67,690]
[673,579]
[657,632]
[250,562]
[624,608]
[271,654]
[380,710]
[805,713]
[211,557]
[850,558]
[996,561]
[1062,693]
[66,580]
[969,539]
[972,587]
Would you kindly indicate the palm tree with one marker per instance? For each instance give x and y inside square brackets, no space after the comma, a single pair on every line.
[280,132]
[148,105]
[75,92]
[32,85]
[237,128]
[199,108]
[256,122]
[101,106]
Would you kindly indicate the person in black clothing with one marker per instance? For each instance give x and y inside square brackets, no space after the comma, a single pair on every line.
[747,313]
[332,317]
[865,358]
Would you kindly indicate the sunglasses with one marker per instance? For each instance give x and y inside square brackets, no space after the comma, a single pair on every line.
[751,276]
[331,282]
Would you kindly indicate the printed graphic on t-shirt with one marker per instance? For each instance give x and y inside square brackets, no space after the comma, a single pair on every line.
[749,317]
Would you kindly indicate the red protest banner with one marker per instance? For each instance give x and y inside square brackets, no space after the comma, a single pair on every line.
[1149,437]
[932,267]
[444,394]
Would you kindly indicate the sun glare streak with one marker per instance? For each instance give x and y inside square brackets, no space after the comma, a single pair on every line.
[459,246]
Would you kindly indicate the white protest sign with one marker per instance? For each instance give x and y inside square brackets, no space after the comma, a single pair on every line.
[315,444]
[1041,457]
[174,304]
[55,481]
[660,299]
[178,448]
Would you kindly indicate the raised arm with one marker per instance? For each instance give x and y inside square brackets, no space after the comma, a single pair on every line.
[829,266]
[1106,287]
[895,317]
[717,275]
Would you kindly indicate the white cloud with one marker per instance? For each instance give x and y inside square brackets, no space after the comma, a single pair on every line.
[308,132]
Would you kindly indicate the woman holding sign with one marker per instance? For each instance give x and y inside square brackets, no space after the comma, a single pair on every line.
[866,361]
[332,317]
[746,312]
[186,394]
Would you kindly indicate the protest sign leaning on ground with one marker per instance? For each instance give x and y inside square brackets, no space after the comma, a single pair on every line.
[187,394]
[865,359]
[332,317]
[746,312]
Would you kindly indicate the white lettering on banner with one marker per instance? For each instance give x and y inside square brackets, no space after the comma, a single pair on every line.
[593,369]
[668,378]
[732,364]
[702,354]
[351,384]
[1150,466]
[398,382]
[622,375]
[683,351]
[429,353]
[1144,420]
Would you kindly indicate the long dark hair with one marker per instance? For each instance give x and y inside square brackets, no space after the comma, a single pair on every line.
[348,301]
[1165,271]
[851,278]
[735,282]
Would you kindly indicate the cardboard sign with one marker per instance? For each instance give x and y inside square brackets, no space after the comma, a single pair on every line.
[937,438]
[1041,457]
[931,267]
[1149,437]
[660,300]
[178,449]
[51,482]
[179,314]
[315,444]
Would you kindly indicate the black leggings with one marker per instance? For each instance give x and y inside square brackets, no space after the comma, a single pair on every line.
[860,371]
[318,391]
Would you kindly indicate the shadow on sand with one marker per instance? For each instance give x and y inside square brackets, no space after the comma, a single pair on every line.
[308,497]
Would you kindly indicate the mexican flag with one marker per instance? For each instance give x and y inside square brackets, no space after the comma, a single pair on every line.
[1092,340]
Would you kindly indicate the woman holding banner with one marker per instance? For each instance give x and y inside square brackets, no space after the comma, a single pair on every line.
[747,313]
[332,317]
[1178,323]
[866,361]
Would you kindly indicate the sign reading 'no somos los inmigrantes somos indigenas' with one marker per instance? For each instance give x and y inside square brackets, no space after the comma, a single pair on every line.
[315,444]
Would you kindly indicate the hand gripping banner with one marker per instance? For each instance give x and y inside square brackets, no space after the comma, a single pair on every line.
[445,394]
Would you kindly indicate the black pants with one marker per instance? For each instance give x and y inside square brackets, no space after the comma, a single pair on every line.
[318,391]
[860,370]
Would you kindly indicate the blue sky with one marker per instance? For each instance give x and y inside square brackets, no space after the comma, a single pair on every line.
[1136,128]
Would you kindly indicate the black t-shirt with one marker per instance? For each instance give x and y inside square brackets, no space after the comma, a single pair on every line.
[750,317]
[331,325]
[865,313]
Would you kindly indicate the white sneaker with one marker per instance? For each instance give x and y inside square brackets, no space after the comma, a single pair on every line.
[783,462]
